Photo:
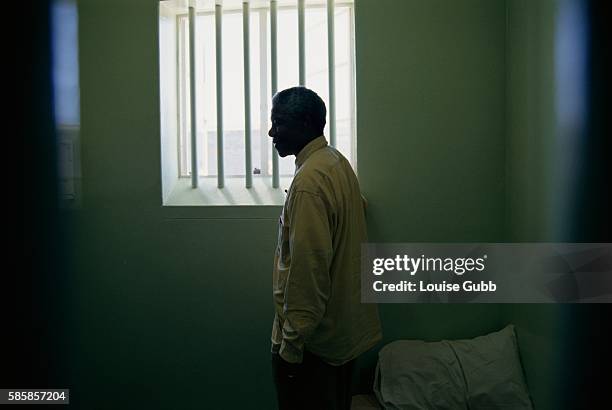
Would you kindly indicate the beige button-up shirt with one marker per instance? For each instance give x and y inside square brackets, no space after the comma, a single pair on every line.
[316,276]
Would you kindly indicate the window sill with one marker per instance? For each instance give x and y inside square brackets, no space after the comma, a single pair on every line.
[232,201]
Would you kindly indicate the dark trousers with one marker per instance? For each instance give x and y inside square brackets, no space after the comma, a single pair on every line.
[312,384]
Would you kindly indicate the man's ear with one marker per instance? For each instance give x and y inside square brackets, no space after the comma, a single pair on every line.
[308,126]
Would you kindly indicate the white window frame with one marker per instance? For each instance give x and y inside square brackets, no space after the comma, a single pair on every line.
[175,190]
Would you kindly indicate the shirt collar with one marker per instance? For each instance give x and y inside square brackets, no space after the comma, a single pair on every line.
[312,146]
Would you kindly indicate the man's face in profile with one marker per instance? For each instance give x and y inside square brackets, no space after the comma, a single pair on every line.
[286,132]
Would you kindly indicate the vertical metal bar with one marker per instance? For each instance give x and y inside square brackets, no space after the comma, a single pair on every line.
[181,74]
[263,87]
[274,71]
[331,66]
[247,94]
[301,34]
[219,58]
[192,90]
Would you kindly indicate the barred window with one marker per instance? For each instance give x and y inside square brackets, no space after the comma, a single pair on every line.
[222,61]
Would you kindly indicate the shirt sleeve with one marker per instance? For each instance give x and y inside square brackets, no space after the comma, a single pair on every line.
[308,283]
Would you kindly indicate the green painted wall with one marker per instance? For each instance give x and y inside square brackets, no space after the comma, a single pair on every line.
[430,123]
[530,145]
[168,311]
[172,309]
[530,118]
[430,91]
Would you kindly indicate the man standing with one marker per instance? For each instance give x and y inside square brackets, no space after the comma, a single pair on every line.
[320,325]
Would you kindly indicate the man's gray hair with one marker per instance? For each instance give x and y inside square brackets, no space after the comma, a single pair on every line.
[302,104]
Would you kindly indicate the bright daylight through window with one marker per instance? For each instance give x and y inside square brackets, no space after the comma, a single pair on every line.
[215,73]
